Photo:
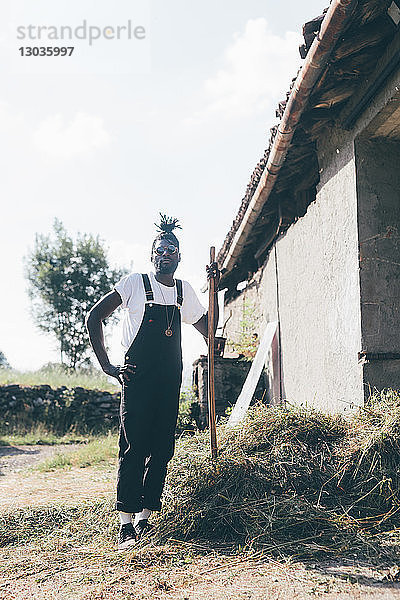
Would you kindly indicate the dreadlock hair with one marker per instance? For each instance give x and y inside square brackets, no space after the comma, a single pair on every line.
[165,229]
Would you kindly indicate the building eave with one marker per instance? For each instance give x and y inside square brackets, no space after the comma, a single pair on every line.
[311,82]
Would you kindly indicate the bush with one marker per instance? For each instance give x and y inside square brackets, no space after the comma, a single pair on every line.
[188,413]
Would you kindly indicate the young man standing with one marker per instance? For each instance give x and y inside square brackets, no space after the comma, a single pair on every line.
[151,376]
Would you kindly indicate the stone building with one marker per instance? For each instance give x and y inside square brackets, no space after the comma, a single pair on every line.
[315,243]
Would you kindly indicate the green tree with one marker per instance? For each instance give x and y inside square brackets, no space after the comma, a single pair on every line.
[4,364]
[66,277]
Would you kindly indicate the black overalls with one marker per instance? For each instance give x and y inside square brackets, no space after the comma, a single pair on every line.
[149,405]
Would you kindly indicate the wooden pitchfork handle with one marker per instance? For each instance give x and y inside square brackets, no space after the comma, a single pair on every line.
[211,338]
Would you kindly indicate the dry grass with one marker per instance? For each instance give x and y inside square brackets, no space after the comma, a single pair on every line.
[288,484]
[175,571]
[296,482]
[291,481]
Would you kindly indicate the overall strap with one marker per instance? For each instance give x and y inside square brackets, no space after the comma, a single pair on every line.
[147,287]
[179,292]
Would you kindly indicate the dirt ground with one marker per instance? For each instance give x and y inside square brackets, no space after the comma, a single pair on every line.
[17,458]
[177,571]
[82,574]
[20,487]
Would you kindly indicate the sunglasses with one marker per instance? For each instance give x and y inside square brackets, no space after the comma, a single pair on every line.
[171,249]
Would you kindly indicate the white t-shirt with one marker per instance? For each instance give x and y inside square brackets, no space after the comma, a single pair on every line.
[131,290]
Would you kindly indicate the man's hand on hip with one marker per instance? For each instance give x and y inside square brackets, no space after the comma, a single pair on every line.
[123,374]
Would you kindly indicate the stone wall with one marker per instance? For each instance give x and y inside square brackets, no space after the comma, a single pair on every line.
[57,409]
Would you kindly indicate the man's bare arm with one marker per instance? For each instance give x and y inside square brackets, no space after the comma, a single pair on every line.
[94,323]
[202,323]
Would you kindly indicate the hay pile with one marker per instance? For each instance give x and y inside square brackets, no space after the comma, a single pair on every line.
[295,479]
[369,463]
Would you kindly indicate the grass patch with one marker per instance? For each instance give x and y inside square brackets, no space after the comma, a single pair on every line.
[98,451]
[57,375]
[38,435]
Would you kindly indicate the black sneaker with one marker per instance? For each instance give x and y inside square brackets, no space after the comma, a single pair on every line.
[142,527]
[127,536]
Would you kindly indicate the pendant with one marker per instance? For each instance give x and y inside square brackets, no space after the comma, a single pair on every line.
[168,332]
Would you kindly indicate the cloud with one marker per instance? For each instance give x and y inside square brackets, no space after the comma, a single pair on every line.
[257,69]
[81,136]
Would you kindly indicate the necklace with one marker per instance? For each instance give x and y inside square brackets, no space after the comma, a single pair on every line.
[168,332]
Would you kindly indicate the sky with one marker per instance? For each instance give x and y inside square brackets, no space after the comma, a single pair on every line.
[174,122]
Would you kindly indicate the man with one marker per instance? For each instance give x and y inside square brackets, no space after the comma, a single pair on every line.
[151,376]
